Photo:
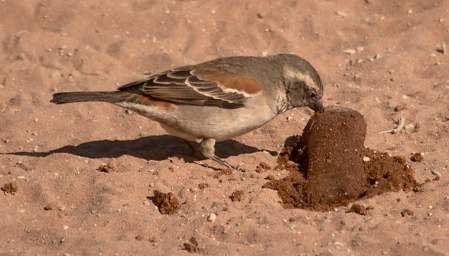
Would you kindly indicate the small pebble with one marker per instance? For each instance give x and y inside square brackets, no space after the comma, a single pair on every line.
[359,209]
[436,174]
[349,51]
[399,108]
[341,14]
[48,207]
[407,212]
[442,49]
[416,157]
[410,128]
[212,217]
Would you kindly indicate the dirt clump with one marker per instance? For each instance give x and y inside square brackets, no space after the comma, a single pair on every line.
[331,167]
[10,188]
[237,195]
[407,212]
[167,203]
[203,185]
[416,157]
[106,168]
[192,245]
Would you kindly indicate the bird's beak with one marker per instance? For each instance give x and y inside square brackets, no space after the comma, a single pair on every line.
[317,106]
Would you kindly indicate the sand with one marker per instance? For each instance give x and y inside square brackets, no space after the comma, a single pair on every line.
[382,58]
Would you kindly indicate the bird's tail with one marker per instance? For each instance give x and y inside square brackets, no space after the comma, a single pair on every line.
[70,97]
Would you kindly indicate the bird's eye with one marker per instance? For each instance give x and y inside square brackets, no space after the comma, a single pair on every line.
[313,94]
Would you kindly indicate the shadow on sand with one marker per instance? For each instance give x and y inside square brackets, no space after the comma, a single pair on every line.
[148,148]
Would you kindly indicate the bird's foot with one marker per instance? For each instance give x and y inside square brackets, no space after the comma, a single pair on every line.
[207,147]
[223,162]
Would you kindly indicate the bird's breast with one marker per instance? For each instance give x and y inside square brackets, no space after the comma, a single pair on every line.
[222,124]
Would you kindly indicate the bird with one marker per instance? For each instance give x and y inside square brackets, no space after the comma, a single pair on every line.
[218,99]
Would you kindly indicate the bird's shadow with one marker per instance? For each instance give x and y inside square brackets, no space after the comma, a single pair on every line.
[148,148]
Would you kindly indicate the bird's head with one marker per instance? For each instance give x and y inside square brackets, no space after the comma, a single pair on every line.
[302,82]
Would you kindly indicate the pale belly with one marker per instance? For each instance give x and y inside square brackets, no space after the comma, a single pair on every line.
[193,123]
[221,126]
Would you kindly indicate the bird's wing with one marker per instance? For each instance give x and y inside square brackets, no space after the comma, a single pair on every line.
[197,86]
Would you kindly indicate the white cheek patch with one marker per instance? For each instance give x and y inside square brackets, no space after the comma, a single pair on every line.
[296,74]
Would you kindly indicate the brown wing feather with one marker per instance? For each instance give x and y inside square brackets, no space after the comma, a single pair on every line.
[186,85]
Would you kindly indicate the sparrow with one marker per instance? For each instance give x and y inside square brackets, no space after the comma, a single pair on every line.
[218,99]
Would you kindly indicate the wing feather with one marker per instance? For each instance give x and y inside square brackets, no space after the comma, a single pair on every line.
[187,85]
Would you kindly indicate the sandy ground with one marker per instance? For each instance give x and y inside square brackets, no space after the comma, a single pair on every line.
[383,58]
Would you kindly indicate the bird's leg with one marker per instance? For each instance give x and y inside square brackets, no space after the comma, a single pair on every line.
[207,148]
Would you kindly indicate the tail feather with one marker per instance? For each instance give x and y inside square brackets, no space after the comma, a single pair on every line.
[71,97]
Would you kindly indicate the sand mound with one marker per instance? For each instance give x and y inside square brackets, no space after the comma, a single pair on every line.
[333,166]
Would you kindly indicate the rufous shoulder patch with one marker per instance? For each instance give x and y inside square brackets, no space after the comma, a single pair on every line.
[232,82]
[244,84]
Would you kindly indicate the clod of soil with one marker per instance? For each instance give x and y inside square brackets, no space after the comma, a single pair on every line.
[192,246]
[167,203]
[10,188]
[407,212]
[333,168]
[416,157]
[106,168]
[203,186]
[237,195]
